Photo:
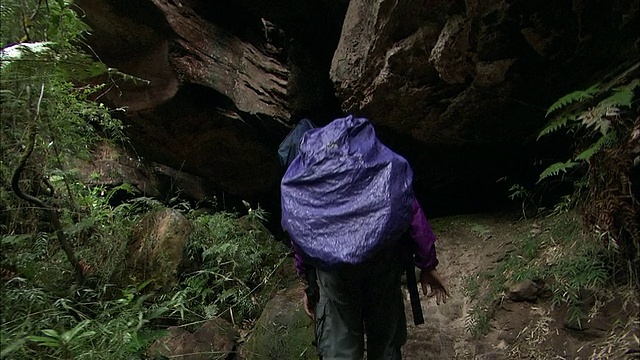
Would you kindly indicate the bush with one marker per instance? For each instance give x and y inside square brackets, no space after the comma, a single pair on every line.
[606,124]
[231,266]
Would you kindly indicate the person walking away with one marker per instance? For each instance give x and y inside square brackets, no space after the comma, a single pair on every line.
[347,202]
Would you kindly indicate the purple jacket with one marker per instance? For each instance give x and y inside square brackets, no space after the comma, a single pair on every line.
[423,249]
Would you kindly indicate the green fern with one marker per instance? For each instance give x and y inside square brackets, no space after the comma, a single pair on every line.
[622,96]
[579,95]
[557,124]
[595,147]
[599,118]
[556,168]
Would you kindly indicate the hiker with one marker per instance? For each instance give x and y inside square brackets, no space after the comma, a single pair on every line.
[348,206]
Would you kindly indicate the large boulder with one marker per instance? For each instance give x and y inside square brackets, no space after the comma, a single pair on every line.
[111,166]
[474,72]
[156,250]
[283,331]
[205,95]
[461,88]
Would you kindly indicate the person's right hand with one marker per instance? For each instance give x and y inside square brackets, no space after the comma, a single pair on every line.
[438,290]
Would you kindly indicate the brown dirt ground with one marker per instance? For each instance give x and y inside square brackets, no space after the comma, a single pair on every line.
[519,330]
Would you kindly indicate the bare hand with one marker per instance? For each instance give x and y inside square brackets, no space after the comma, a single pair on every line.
[432,278]
[308,307]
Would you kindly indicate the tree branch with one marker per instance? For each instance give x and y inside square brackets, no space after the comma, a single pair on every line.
[50,211]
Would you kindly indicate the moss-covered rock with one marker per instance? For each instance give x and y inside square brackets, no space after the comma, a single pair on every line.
[283,331]
[157,247]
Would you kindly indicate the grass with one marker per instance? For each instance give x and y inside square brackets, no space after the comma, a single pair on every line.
[559,254]
[234,273]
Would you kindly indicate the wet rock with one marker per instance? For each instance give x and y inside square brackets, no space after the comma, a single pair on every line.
[283,331]
[526,290]
[490,356]
[215,339]
[157,247]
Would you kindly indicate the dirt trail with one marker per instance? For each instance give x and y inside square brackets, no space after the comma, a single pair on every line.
[464,248]
[467,245]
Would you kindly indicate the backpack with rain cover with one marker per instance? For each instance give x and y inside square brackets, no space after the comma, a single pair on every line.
[345,195]
[288,149]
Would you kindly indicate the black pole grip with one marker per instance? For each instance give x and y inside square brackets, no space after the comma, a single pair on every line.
[412,284]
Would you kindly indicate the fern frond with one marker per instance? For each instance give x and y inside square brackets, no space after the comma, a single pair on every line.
[621,96]
[557,124]
[595,147]
[596,118]
[632,85]
[579,95]
[556,168]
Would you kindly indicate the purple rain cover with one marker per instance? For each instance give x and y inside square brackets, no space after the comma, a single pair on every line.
[345,195]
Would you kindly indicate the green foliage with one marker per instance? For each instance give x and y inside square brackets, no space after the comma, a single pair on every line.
[517,191]
[557,168]
[605,140]
[41,325]
[470,286]
[46,90]
[622,96]
[604,122]
[529,202]
[597,120]
[235,264]
[579,95]
[478,320]
[34,20]
[45,85]
[557,124]
[101,236]
[68,341]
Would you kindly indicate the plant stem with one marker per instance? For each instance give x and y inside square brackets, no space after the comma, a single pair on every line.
[50,211]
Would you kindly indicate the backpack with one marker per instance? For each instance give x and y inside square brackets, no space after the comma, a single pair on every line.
[288,149]
[345,195]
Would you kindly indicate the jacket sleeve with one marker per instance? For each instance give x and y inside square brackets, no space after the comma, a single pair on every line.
[424,239]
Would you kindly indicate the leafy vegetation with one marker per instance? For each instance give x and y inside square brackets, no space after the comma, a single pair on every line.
[233,275]
[605,122]
[576,258]
[596,120]
[235,264]
[67,291]
[38,324]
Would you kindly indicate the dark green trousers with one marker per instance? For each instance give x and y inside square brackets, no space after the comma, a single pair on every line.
[358,302]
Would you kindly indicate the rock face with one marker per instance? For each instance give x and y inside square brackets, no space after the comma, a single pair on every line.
[478,72]
[458,87]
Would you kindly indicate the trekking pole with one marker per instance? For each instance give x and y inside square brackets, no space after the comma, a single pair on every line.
[412,284]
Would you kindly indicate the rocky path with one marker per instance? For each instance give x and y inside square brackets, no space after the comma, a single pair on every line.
[469,245]
[519,330]
[464,248]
